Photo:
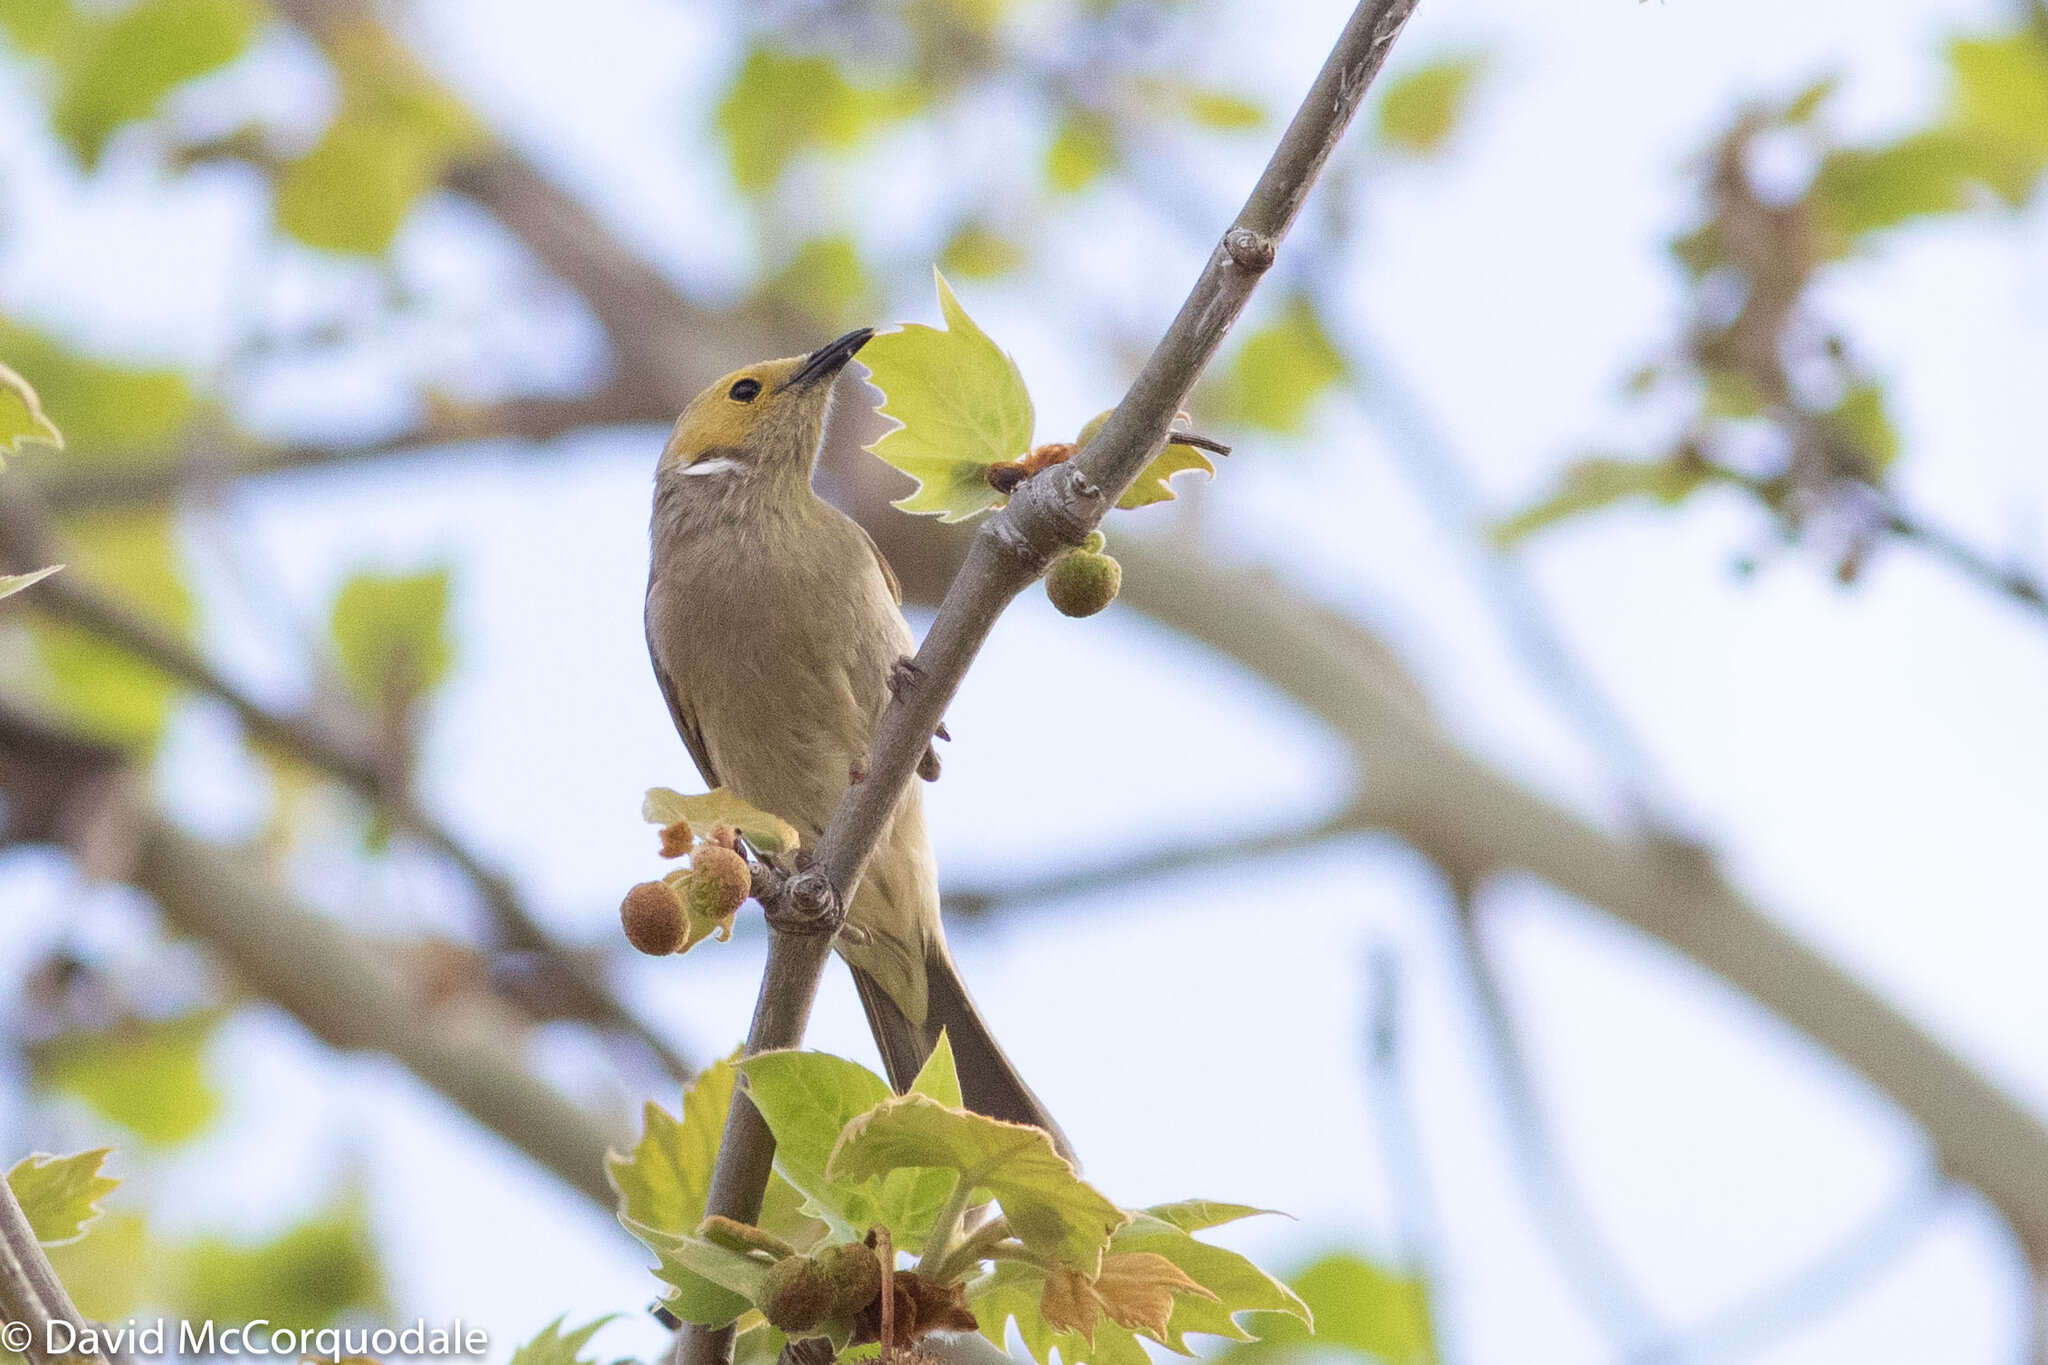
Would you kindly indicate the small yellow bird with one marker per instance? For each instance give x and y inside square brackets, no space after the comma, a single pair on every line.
[775,627]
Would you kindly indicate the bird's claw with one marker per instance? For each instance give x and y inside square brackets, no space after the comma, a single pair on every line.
[905,672]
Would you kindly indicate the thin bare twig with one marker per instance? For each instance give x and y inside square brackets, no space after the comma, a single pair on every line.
[1049,513]
[1567,1220]
[24,537]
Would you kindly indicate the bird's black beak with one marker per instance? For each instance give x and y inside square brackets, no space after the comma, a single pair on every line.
[830,358]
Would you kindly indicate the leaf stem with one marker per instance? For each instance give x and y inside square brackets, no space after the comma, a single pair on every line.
[980,1244]
[938,1247]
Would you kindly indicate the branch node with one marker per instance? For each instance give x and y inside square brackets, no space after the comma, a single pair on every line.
[1253,251]
[807,905]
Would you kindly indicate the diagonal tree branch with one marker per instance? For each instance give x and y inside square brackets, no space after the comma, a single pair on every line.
[1049,513]
[23,537]
[352,993]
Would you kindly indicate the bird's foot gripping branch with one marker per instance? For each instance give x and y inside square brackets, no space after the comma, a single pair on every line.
[1002,1227]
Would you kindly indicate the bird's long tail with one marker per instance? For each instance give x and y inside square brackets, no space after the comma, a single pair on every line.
[989,1084]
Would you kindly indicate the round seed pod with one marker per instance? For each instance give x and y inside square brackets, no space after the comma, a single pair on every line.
[653,919]
[798,1296]
[854,1273]
[1083,582]
[718,882]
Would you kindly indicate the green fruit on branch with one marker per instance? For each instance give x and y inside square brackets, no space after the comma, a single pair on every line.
[1083,582]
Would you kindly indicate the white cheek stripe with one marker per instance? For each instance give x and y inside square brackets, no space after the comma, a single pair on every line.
[720,464]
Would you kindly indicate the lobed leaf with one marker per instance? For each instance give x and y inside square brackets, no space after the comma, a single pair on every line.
[961,406]
[61,1194]
[391,638]
[150,1077]
[1047,1203]
[116,68]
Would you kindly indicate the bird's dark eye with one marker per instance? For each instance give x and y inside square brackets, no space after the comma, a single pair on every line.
[746,391]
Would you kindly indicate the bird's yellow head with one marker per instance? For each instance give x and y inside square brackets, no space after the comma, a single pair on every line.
[764,420]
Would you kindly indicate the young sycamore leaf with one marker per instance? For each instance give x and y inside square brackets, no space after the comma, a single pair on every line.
[662,1184]
[553,1346]
[1048,1205]
[113,1268]
[1135,1290]
[21,417]
[391,638]
[714,1284]
[114,68]
[1152,484]
[307,1277]
[61,1194]
[1193,1215]
[767,833]
[961,405]
[807,1100]
[1279,372]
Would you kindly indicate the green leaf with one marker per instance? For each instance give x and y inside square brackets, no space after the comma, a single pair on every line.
[808,1099]
[12,583]
[35,26]
[1422,107]
[1862,419]
[1999,94]
[978,251]
[1732,394]
[1193,1215]
[1234,1284]
[961,404]
[306,1278]
[394,136]
[780,105]
[150,1077]
[939,1077]
[21,417]
[663,1182]
[1080,153]
[1599,482]
[391,637]
[1858,190]
[1047,1203]
[713,1284]
[117,68]
[61,1194]
[1360,1307]
[1223,111]
[766,833]
[1279,372]
[1152,484]
[553,1346]
[107,412]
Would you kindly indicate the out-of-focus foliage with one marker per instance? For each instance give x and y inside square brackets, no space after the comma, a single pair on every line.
[1362,1309]
[389,144]
[391,639]
[1278,372]
[308,1276]
[113,66]
[1423,107]
[1776,402]
[149,1076]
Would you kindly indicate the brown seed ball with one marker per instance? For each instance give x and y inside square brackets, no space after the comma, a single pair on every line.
[1083,582]
[718,882]
[798,1296]
[653,919]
